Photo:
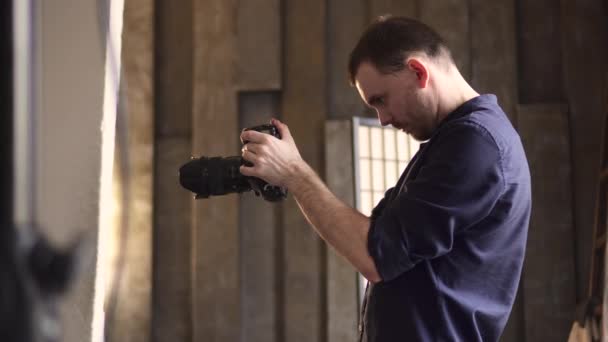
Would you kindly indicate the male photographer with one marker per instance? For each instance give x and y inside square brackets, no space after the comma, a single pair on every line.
[443,251]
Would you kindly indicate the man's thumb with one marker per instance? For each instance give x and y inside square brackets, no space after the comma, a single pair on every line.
[283,129]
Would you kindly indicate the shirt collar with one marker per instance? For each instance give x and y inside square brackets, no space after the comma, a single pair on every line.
[466,108]
[470,106]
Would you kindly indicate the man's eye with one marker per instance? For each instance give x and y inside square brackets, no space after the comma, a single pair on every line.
[377,101]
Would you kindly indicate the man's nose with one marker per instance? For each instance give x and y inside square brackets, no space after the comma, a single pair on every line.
[384,118]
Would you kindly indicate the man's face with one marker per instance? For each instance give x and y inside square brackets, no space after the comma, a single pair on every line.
[399,100]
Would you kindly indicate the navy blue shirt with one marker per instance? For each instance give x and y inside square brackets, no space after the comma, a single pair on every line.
[449,239]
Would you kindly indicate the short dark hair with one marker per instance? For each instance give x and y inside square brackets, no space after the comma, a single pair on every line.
[389,40]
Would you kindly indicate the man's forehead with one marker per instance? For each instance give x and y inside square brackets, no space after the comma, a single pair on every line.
[366,71]
[368,78]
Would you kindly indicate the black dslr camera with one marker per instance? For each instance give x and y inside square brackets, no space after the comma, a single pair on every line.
[217,176]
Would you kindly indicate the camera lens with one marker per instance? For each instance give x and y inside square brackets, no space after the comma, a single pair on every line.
[213,176]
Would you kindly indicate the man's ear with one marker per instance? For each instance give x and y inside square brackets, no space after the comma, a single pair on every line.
[420,70]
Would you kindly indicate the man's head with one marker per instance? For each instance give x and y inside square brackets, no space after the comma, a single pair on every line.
[397,66]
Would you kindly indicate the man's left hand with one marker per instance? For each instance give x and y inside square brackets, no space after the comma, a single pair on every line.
[274,160]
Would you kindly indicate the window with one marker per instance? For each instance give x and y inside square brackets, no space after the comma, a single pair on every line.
[381,154]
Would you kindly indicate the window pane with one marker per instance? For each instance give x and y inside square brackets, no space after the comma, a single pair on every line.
[402,166]
[403,148]
[376,142]
[378,195]
[363,141]
[377,175]
[364,175]
[389,144]
[391,173]
[414,146]
[366,203]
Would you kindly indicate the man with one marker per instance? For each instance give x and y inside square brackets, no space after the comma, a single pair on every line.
[443,250]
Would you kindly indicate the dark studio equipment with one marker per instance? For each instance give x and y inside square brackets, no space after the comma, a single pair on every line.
[216,176]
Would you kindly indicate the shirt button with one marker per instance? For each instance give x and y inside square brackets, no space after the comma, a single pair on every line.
[360,327]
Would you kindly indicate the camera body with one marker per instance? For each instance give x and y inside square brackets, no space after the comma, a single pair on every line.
[216,176]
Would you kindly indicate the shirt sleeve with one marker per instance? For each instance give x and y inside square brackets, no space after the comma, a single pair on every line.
[456,187]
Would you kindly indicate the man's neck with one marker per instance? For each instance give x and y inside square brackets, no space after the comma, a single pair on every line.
[454,92]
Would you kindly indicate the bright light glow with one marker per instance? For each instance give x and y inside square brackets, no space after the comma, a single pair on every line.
[107,199]
[24,143]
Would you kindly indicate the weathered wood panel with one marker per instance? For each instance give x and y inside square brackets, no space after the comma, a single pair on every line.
[493,51]
[403,8]
[259,45]
[131,308]
[171,295]
[347,20]
[171,292]
[304,110]
[174,68]
[539,48]
[585,38]
[342,284]
[450,18]
[259,238]
[216,290]
[548,285]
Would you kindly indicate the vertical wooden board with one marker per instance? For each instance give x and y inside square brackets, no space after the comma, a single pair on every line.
[304,110]
[171,291]
[493,52]
[132,306]
[342,287]
[173,39]
[258,238]
[514,330]
[171,295]
[216,292]
[403,8]
[347,20]
[539,49]
[450,18]
[585,38]
[259,45]
[604,322]
[605,304]
[548,284]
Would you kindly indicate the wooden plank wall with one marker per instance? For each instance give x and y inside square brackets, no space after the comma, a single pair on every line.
[171,292]
[258,78]
[215,240]
[346,19]
[342,279]
[584,38]
[259,45]
[130,319]
[493,51]
[304,109]
[539,48]
[260,235]
[450,18]
[549,285]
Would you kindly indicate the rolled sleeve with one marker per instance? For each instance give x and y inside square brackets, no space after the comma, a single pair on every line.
[458,183]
